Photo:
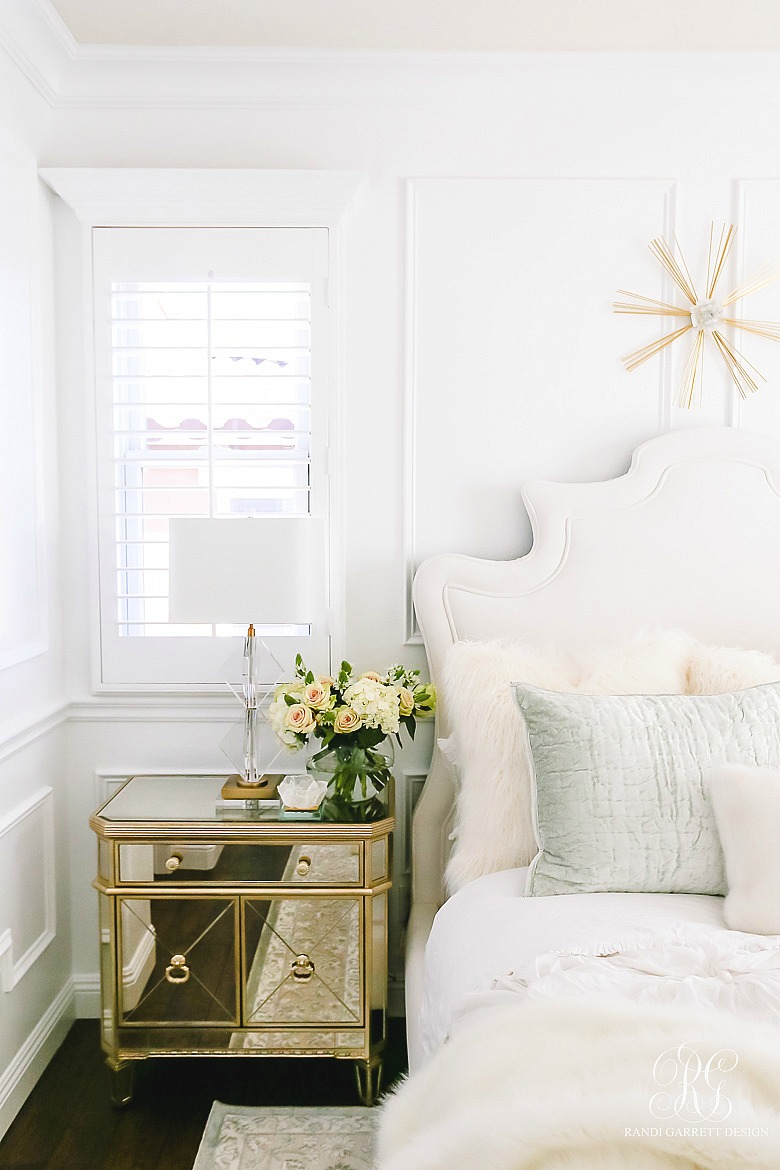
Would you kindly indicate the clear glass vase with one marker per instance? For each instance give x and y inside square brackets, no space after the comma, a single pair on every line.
[357,770]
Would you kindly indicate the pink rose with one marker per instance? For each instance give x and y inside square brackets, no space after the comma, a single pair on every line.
[405,701]
[316,696]
[299,719]
[346,720]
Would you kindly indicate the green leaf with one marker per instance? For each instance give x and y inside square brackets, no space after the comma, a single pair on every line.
[300,666]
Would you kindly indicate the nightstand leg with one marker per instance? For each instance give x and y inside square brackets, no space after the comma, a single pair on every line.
[369,1079]
[122,1077]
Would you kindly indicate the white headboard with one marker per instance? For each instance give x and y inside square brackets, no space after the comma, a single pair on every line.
[688,539]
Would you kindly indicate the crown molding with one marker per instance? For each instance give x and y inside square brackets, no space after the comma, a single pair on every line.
[269,54]
[135,197]
[36,48]
[73,76]
[57,28]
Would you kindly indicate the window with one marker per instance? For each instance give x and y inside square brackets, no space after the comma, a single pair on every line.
[210,360]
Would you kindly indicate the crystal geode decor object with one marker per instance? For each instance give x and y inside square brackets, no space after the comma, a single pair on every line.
[301,793]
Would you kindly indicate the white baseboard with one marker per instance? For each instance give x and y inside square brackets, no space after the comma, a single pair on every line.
[86,997]
[19,1079]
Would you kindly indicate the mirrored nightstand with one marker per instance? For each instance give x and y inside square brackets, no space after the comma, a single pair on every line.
[237,934]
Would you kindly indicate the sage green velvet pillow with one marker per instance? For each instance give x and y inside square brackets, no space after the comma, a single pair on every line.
[619,799]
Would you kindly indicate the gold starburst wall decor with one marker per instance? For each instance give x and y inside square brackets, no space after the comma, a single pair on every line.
[704,316]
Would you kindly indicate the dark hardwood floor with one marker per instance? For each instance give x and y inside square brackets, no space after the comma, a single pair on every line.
[68,1122]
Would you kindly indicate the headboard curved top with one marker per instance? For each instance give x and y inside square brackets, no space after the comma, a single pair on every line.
[688,538]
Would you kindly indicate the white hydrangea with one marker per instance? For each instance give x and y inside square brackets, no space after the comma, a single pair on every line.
[375,703]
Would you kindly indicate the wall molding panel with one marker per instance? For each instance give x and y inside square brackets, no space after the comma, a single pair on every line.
[414,780]
[17,741]
[43,865]
[24,593]
[472,338]
[756,202]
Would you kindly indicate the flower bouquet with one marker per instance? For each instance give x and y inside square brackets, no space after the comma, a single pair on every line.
[346,723]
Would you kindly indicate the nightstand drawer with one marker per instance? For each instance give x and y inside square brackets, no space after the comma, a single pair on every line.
[303,960]
[177,960]
[185,863]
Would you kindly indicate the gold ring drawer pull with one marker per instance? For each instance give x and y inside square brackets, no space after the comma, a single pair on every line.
[173,862]
[303,866]
[302,968]
[177,971]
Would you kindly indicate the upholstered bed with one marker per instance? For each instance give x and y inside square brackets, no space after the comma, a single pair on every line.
[685,546]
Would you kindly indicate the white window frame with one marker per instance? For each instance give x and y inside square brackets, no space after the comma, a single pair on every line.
[216,198]
[196,255]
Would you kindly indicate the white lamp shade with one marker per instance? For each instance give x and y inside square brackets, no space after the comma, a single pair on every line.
[261,570]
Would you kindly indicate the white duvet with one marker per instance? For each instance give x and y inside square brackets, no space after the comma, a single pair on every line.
[490,945]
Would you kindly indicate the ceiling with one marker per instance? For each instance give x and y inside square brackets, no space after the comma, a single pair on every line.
[599,25]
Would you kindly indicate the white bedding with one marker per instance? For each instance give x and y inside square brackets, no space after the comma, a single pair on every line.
[489,938]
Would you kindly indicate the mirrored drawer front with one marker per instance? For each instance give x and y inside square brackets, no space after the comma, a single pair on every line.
[199,863]
[303,962]
[177,960]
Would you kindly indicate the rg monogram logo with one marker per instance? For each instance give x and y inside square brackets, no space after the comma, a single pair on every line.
[692,1087]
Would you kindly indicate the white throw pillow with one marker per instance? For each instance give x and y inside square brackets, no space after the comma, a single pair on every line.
[494,823]
[746,801]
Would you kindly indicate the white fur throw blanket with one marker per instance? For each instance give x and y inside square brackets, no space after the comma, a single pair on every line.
[597,1086]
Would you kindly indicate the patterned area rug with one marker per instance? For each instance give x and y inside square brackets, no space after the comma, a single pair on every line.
[242,1137]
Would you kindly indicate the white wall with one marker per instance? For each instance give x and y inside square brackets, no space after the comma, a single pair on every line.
[35,957]
[507,199]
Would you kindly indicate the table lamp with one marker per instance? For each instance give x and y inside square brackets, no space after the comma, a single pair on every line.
[242,571]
